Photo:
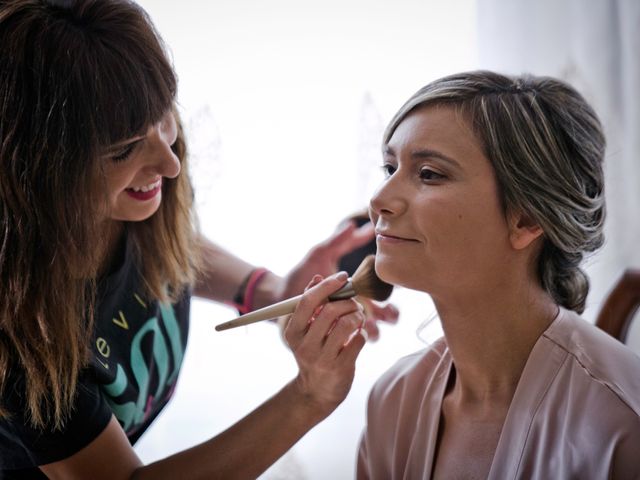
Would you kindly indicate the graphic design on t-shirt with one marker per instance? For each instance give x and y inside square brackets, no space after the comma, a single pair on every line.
[154,360]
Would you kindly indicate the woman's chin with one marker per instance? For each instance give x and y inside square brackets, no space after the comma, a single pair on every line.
[389,272]
[399,275]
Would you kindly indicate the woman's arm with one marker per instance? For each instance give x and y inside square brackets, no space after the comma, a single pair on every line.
[222,274]
[322,339]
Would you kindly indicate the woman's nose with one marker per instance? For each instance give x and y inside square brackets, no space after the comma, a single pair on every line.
[162,137]
[388,199]
[169,128]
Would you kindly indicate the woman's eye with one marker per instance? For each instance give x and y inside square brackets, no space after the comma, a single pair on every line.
[123,154]
[428,174]
[126,151]
[388,170]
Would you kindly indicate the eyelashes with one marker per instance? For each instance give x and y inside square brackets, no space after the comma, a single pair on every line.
[425,174]
[428,174]
[126,151]
[124,154]
[388,170]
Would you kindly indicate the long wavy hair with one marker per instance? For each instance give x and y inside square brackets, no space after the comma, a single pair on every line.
[76,76]
[546,146]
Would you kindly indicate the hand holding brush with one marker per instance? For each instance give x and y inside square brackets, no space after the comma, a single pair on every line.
[364,282]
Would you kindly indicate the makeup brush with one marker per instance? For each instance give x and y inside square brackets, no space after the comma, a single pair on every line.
[364,282]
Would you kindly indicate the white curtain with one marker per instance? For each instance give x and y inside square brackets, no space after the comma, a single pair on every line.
[594,45]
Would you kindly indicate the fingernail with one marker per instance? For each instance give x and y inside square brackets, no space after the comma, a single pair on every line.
[342,276]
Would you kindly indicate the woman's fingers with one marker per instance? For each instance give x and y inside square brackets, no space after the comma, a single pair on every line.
[332,322]
[348,238]
[325,341]
[313,298]
[314,281]
[375,313]
[323,327]
[351,350]
[341,333]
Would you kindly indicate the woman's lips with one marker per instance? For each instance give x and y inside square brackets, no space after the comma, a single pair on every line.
[388,238]
[148,195]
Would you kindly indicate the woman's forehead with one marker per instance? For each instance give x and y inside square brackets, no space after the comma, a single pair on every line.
[440,126]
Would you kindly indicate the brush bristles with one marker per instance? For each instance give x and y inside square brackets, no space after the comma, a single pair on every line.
[368,284]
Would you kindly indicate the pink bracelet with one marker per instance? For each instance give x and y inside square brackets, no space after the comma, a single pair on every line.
[249,292]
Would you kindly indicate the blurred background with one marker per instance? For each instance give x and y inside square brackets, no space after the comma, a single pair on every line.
[284,103]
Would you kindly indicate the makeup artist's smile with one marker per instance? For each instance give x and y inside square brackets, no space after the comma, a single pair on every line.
[145,192]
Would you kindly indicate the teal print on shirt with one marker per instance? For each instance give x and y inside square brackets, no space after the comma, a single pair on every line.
[131,414]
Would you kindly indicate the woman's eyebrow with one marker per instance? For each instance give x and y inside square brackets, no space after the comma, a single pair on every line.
[428,153]
[126,143]
[424,153]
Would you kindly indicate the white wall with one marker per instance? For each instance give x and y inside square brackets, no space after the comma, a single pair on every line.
[285,103]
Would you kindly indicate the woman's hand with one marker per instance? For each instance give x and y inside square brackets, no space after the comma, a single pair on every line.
[326,339]
[323,260]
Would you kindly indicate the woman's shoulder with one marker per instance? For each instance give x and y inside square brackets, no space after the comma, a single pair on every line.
[601,359]
[24,445]
[413,372]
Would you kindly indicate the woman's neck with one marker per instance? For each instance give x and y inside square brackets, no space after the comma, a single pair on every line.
[490,338]
[108,248]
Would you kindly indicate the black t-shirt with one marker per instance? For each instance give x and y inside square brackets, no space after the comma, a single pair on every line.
[137,351]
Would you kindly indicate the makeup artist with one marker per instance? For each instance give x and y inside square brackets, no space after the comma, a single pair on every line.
[99,254]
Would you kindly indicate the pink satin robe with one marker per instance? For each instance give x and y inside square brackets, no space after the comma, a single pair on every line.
[575,413]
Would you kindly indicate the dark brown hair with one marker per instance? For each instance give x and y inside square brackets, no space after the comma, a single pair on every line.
[75,78]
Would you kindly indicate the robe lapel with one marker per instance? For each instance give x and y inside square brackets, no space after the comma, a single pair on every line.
[542,366]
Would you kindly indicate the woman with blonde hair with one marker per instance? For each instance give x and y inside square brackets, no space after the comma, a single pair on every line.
[492,199]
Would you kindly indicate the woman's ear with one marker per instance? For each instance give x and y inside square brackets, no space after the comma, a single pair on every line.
[523,230]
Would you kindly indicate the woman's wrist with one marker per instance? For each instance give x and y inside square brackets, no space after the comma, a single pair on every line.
[268,290]
[303,405]
[252,290]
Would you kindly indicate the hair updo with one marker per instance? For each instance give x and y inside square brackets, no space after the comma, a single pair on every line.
[546,145]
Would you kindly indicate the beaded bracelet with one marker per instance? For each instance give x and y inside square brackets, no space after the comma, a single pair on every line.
[243,300]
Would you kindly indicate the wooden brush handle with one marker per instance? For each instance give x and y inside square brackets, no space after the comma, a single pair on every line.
[272,311]
[281,308]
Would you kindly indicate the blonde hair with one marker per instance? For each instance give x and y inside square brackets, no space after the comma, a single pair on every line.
[546,146]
